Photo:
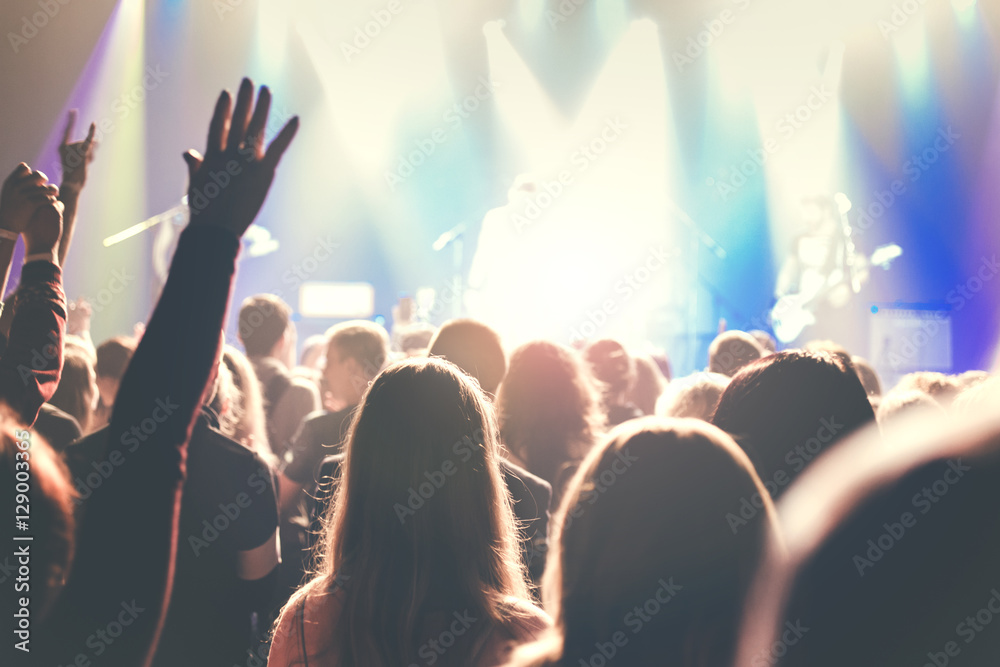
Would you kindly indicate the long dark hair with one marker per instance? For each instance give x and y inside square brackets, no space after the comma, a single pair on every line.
[421,525]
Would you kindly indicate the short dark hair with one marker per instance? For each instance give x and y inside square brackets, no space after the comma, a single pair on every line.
[264,318]
[113,357]
[475,348]
[784,400]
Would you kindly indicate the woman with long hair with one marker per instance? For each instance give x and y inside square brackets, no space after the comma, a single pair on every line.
[550,411]
[654,552]
[419,560]
[246,410]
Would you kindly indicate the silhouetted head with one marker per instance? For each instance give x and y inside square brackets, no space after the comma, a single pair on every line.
[265,328]
[549,409]
[894,546]
[475,348]
[789,407]
[356,352]
[646,561]
[649,384]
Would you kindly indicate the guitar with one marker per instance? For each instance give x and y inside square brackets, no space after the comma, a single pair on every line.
[794,312]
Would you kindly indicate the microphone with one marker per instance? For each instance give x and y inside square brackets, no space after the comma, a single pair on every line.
[180,213]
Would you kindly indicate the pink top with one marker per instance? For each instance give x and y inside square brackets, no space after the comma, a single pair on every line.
[317,613]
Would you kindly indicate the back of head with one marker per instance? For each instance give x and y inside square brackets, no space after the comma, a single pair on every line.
[611,363]
[894,555]
[422,523]
[113,357]
[361,340]
[77,390]
[549,409]
[942,388]
[415,339]
[264,318]
[731,351]
[789,407]
[901,403]
[765,340]
[694,397]
[475,348]
[649,384]
[646,562]
[248,419]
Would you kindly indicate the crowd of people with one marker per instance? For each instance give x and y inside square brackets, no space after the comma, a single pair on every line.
[430,497]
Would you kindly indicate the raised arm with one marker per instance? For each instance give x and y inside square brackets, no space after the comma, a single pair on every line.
[32,361]
[74,157]
[125,554]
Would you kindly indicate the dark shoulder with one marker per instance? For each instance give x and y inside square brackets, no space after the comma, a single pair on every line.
[207,442]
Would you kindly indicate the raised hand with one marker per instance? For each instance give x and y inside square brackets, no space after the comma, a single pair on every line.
[228,185]
[75,157]
[43,231]
[22,194]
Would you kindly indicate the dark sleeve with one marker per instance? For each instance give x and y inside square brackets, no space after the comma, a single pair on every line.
[261,509]
[257,543]
[125,553]
[31,364]
[303,455]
